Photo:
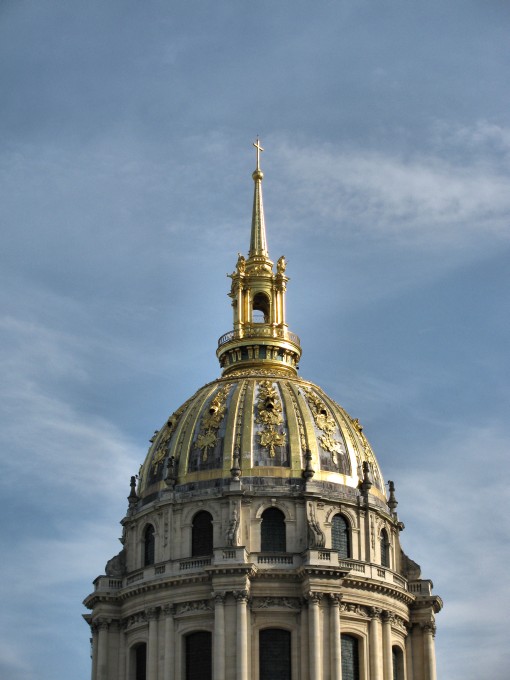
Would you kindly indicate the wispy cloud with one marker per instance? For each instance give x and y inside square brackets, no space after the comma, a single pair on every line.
[449,504]
[420,200]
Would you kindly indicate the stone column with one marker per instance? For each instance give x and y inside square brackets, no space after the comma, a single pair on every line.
[219,636]
[152,647]
[429,653]
[122,649]
[335,640]
[93,643]
[387,619]
[409,652]
[102,649]
[314,635]
[376,666]
[241,597]
[168,663]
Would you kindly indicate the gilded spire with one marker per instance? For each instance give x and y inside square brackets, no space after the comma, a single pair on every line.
[258,241]
[260,336]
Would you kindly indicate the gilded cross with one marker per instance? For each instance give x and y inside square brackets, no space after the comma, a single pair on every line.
[259,149]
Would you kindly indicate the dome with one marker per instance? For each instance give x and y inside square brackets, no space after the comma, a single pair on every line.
[259,424]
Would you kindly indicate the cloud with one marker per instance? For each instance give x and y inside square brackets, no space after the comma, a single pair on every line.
[44,431]
[449,503]
[420,200]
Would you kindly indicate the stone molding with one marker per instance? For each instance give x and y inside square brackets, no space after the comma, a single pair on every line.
[276,603]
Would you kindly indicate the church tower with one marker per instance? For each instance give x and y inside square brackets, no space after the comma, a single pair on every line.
[259,542]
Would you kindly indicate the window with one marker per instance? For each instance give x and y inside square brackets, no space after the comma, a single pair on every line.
[272,531]
[385,549]
[148,545]
[350,658]
[202,534]
[140,661]
[340,539]
[398,663]
[198,656]
[274,654]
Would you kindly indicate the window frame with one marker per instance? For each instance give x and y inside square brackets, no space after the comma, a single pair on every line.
[348,536]
[272,538]
[197,539]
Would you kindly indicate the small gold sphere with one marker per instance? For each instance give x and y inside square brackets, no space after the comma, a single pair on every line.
[258,174]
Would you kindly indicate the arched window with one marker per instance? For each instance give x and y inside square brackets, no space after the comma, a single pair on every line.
[198,656]
[260,305]
[398,663]
[385,549]
[274,654]
[350,658]
[272,531]
[340,539]
[148,545]
[202,534]
[140,662]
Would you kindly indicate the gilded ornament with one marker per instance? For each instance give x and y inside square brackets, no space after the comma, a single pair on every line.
[331,445]
[211,421]
[270,439]
[168,430]
[369,456]
[325,422]
[205,442]
[270,415]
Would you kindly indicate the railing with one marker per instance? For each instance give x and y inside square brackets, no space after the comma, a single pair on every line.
[235,554]
[268,558]
[421,587]
[378,573]
[135,577]
[259,330]
[319,557]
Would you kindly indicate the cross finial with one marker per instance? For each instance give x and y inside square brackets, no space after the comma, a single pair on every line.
[259,149]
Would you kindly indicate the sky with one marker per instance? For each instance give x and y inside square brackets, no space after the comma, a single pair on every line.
[125,195]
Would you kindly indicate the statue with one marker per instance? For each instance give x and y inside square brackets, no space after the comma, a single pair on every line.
[116,567]
[316,537]
[170,474]
[241,264]
[281,265]
[231,534]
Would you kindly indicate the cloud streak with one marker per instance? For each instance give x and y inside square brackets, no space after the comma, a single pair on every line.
[420,200]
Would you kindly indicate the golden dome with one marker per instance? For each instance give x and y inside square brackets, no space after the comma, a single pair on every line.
[262,426]
[259,422]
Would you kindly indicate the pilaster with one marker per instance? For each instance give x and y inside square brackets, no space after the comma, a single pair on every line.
[241,597]
[387,619]
[219,636]
[335,639]
[376,665]
[314,638]
[169,663]
[152,648]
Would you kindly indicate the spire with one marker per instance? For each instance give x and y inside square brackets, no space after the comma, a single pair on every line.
[258,241]
[260,336]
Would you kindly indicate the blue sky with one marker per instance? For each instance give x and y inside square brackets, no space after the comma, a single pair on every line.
[125,196]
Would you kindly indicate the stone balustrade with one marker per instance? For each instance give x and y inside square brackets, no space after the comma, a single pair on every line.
[316,557]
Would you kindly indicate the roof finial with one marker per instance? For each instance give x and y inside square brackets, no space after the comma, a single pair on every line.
[259,149]
[258,242]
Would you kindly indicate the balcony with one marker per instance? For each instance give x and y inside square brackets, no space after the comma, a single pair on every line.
[259,330]
[237,555]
